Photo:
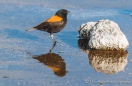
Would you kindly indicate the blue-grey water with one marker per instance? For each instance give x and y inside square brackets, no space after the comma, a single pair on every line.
[24,56]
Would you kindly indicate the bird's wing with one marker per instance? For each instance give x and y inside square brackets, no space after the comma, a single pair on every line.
[47,25]
[54,18]
[52,21]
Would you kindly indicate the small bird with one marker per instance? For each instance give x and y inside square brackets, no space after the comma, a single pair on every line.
[54,24]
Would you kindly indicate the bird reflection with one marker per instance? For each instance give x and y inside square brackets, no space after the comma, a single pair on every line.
[108,62]
[53,61]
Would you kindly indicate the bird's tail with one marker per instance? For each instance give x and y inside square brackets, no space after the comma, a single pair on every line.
[30,29]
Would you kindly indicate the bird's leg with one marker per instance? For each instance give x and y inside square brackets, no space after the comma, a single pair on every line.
[53,39]
[52,47]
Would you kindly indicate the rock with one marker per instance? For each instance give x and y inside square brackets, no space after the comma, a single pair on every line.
[84,29]
[83,45]
[103,35]
[105,61]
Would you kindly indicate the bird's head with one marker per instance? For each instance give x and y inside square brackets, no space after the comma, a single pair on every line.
[62,12]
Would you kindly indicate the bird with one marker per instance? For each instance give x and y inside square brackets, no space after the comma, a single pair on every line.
[54,24]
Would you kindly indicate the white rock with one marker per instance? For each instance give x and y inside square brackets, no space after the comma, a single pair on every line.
[85,28]
[104,35]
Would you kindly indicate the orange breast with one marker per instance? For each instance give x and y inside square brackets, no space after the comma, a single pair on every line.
[54,18]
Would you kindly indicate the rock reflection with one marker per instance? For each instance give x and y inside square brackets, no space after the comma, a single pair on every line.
[108,62]
[54,62]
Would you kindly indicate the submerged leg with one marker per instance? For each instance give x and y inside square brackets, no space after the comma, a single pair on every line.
[51,35]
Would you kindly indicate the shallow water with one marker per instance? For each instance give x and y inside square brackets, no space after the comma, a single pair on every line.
[25,57]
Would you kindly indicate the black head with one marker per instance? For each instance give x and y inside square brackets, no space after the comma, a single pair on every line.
[62,13]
